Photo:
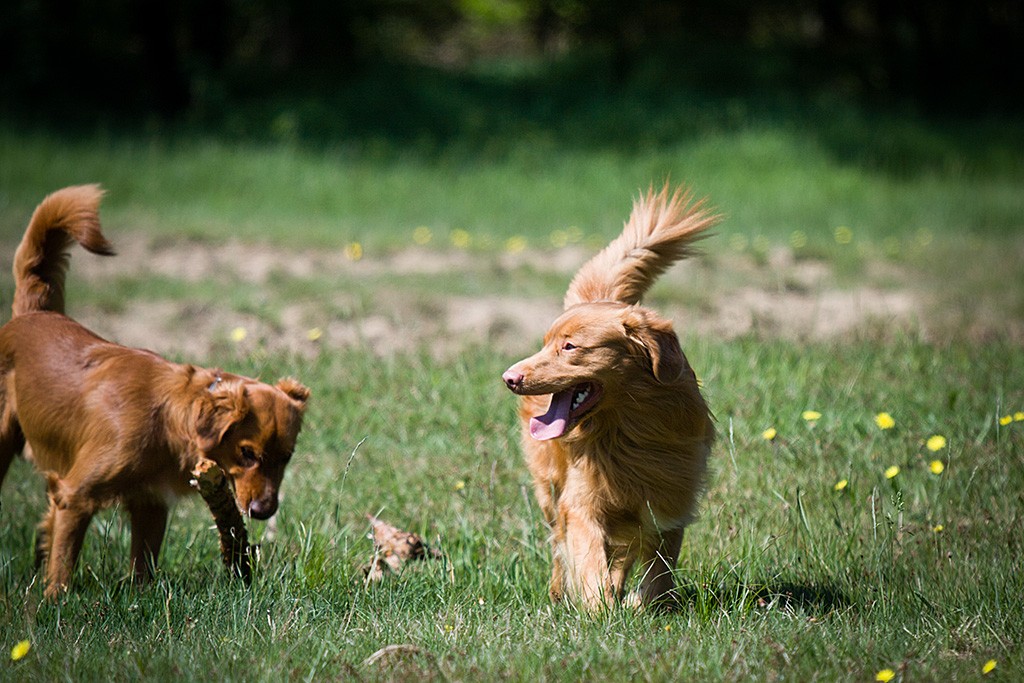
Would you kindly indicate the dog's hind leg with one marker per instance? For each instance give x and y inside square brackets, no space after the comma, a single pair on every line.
[12,440]
[149,522]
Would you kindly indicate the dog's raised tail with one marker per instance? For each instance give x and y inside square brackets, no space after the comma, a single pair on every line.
[660,231]
[41,262]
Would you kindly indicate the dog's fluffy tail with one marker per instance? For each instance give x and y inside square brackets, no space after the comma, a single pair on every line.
[660,231]
[41,262]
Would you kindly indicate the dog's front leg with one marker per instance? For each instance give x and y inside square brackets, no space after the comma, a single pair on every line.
[657,582]
[70,522]
[149,522]
[586,558]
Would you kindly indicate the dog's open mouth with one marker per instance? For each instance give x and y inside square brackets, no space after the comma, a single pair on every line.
[566,409]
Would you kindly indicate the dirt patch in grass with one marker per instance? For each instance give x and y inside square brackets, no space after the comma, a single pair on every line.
[771,295]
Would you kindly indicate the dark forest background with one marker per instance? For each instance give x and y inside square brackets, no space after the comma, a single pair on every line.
[79,61]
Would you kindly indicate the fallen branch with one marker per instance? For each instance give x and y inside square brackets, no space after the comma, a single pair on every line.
[235,550]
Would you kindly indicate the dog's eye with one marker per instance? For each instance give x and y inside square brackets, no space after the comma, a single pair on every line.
[248,454]
[568,346]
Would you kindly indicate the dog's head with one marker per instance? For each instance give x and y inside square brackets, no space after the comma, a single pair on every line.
[249,429]
[593,355]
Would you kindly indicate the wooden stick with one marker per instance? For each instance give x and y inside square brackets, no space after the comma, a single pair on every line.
[235,550]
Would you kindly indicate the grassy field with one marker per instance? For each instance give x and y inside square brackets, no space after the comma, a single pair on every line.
[809,562]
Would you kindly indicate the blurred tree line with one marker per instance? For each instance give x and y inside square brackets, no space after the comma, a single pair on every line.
[173,57]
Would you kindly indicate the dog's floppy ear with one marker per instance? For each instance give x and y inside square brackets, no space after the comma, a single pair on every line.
[295,391]
[659,343]
[222,406]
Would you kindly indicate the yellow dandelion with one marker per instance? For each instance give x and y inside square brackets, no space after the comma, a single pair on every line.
[1005,420]
[936,466]
[238,334]
[811,415]
[514,245]
[314,334]
[989,666]
[460,485]
[885,421]
[840,485]
[353,251]
[892,471]
[459,238]
[422,235]
[843,235]
[936,442]
[798,239]
[885,675]
[668,627]
[938,528]
[769,434]
[20,650]
[1018,416]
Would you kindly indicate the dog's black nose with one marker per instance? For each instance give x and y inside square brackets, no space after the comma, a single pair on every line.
[263,508]
[513,379]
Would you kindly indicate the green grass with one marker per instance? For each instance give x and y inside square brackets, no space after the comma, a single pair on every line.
[782,576]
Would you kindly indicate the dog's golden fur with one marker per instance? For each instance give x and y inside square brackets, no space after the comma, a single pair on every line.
[615,430]
[107,423]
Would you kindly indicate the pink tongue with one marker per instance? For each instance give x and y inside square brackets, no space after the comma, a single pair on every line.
[552,424]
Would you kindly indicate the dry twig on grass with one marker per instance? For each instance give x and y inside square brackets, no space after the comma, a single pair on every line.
[393,547]
[235,550]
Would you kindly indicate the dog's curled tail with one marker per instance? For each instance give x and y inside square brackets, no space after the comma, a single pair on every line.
[41,262]
[660,231]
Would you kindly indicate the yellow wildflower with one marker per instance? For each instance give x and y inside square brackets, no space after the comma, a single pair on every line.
[885,421]
[314,334]
[840,485]
[892,471]
[885,675]
[422,235]
[936,442]
[22,648]
[811,415]
[459,485]
[798,239]
[353,251]
[989,666]
[1018,416]
[514,245]
[559,238]
[769,434]
[936,466]
[238,334]
[459,239]
[1005,420]
[843,235]
[938,528]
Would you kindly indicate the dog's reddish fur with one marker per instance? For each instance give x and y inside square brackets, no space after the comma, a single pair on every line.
[617,477]
[107,423]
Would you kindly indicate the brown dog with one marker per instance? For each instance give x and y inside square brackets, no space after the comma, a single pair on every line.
[108,423]
[615,430]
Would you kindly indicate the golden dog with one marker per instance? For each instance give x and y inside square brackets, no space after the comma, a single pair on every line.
[615,429]
[108,423]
